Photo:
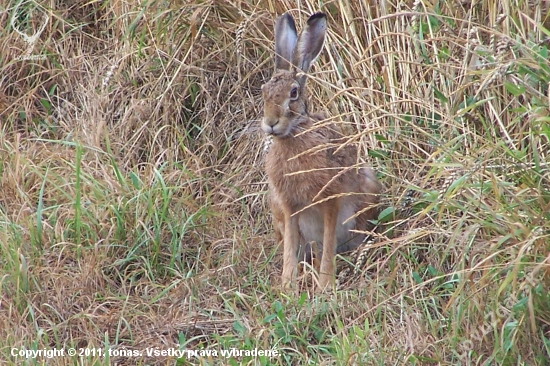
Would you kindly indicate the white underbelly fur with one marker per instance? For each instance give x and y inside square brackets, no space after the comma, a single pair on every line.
[311,223]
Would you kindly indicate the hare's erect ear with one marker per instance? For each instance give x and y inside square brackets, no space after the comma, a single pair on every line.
[285,41]
[311,41]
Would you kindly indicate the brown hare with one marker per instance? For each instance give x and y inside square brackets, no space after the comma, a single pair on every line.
[318,192]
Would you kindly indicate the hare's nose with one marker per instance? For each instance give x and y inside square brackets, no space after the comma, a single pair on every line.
[268,125]
[271,121]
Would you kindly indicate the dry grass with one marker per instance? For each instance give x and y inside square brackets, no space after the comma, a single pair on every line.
[133,202]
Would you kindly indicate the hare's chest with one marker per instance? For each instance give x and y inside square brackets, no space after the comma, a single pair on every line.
[298,180]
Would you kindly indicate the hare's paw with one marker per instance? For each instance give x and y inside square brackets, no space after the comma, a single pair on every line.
[288,277]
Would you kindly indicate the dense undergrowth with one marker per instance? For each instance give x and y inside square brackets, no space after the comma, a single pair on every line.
[133,207]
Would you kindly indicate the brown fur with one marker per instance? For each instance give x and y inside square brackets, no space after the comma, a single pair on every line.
[305,168]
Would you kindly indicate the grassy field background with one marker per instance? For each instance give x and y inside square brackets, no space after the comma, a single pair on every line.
[133,203]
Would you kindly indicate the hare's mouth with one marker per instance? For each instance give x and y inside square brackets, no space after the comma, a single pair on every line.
[275,134]
[272,130]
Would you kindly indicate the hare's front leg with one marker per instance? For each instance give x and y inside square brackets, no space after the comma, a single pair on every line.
[290,246]
[329,242]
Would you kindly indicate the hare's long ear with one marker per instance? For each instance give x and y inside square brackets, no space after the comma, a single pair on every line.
[285,41]
[311,42]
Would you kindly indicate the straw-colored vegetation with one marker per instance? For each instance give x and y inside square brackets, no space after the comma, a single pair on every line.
[133,203]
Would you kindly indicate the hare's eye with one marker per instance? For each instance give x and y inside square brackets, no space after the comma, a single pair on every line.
[294,93]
